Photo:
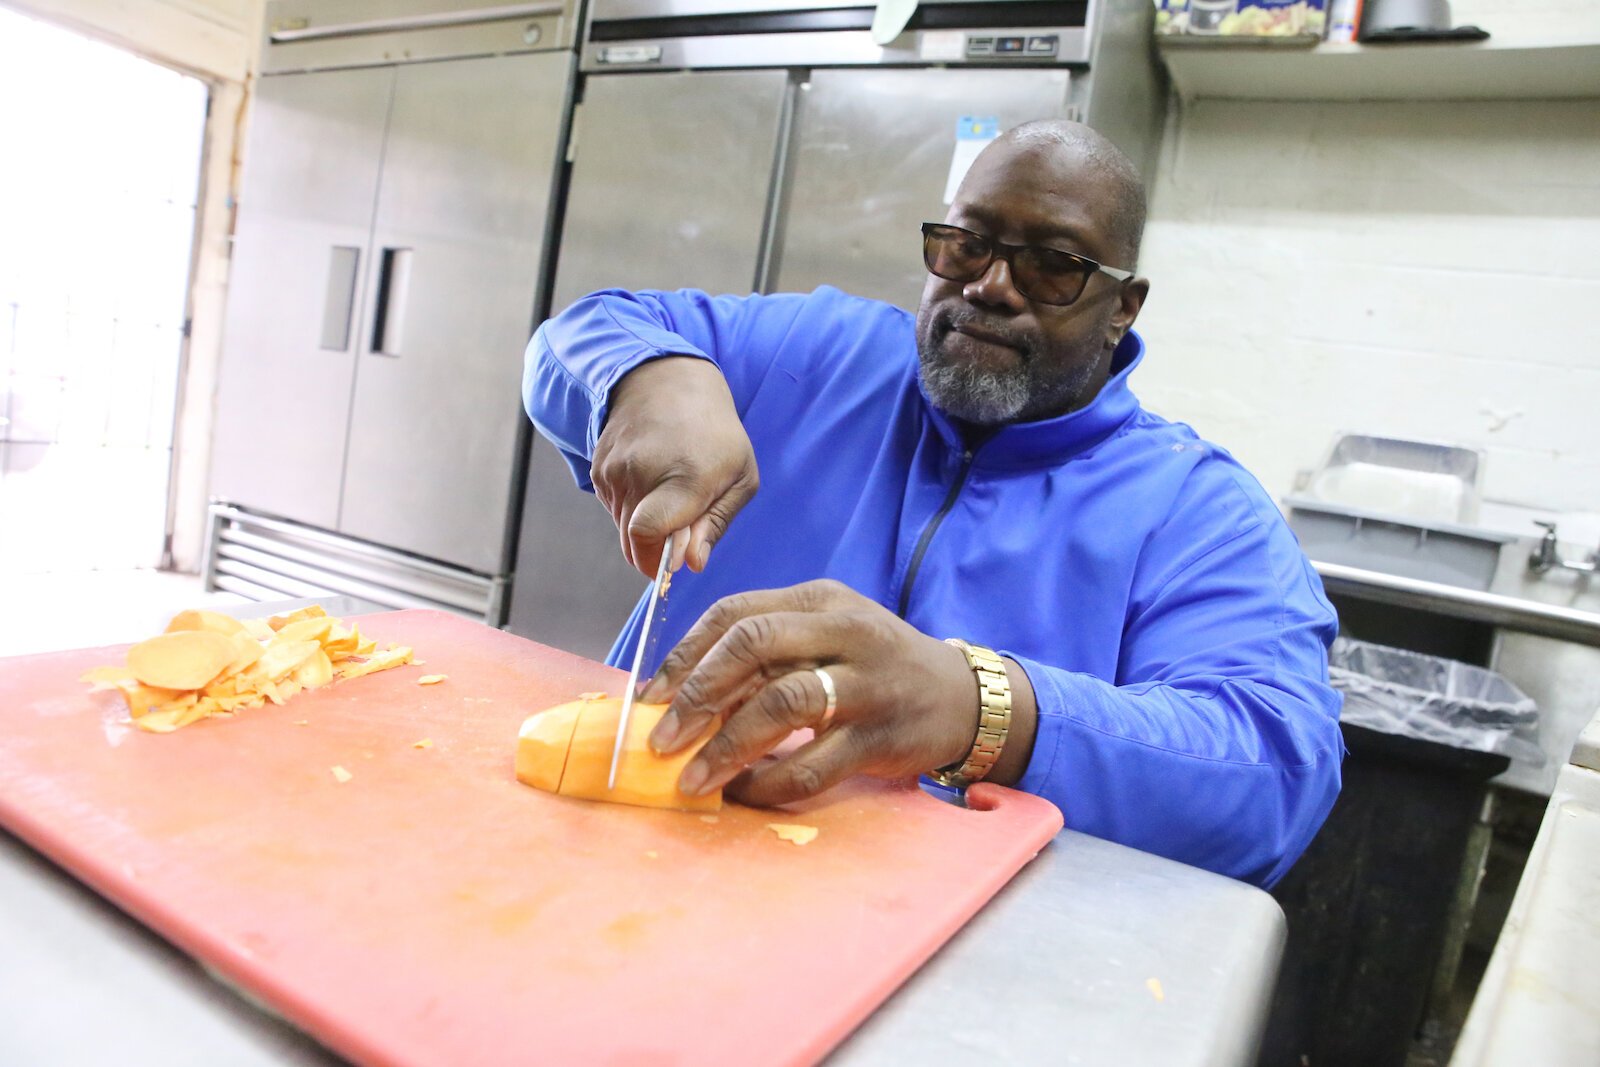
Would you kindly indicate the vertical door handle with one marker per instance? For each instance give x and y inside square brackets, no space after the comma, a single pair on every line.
[339,302]
[389,316]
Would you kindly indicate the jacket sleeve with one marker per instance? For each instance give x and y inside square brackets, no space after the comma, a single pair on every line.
[576,358]
[1219,745]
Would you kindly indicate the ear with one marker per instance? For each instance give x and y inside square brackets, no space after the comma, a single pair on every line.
[1130,298]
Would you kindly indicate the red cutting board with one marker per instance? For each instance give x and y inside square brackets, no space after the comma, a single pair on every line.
[432,910]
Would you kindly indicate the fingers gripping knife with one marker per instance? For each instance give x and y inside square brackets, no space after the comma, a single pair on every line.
[649,638]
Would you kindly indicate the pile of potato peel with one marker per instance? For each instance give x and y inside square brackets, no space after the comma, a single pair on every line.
[208,664]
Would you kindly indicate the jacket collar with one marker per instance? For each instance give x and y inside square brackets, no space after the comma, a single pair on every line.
[1048,442]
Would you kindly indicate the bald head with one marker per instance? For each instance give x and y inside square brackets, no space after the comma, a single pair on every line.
[1074,147]
[1034,335]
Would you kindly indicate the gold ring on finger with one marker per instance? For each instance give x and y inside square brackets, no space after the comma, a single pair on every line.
[830,693]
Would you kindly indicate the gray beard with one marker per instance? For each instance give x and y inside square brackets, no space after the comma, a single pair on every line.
[990,398]
[971,394]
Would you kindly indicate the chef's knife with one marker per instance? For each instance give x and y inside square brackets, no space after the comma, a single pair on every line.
[649,638]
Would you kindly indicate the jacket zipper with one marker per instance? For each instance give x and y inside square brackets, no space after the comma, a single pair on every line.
[929,530]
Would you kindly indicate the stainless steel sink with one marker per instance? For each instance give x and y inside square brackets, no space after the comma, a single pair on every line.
[1546,627]
[1447,553]
[1562,676]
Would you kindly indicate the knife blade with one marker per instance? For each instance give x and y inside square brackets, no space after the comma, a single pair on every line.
[649,639]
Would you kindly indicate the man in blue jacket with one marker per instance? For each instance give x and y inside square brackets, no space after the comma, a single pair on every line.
[1139,637]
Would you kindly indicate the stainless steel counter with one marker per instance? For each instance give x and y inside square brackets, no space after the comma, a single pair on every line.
[1094,954]
[1539,1001]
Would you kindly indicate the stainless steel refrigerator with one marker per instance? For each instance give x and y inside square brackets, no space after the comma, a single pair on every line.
[392,243]
[733,150]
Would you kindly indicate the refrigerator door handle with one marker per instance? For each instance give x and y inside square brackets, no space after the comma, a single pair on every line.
[389,311]
[300,29]
[339,302]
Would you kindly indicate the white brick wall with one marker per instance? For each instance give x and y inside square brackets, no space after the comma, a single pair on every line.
[1421,269]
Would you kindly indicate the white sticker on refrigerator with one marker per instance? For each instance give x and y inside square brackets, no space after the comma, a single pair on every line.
[973,132]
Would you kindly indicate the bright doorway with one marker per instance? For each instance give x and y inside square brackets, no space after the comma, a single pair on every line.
[98,192]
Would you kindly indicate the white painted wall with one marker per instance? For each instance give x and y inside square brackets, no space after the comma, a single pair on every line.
[1419,269]
[215,39]
[212,38]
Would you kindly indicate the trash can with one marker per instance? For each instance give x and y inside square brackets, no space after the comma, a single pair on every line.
[1369,903]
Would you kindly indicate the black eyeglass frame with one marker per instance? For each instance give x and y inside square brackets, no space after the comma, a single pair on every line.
[1000,250]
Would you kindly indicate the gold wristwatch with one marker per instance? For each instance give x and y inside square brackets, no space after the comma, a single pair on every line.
[994,718]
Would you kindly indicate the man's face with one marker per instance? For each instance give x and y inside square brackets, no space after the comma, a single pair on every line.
[988,354]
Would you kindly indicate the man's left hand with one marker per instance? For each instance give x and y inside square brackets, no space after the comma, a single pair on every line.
[906,702]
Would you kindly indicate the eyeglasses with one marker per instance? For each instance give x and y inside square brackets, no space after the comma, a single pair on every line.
[1047,275]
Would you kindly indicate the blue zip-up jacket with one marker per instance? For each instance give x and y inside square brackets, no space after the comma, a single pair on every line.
[1174,633]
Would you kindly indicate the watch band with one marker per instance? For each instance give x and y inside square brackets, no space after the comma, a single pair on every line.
[994,718]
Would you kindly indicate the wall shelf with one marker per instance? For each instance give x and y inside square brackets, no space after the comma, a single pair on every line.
[1480,70]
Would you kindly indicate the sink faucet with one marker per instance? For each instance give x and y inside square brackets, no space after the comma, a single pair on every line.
[1547,556]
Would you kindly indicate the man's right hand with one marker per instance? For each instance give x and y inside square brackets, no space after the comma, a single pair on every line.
[673,456]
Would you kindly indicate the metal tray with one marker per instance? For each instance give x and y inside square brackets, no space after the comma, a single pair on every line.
[1421,481]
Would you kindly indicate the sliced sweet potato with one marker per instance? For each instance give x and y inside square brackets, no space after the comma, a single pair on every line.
[144,698]
[258,629]
[279,660]
[159,722]
[543,744]
[304,630]
[107,678]
[341,642]
[316,670]
[213,621]
[249,651]
[278,622]
[184,659]
[377,661]
[224,664]
[281,692]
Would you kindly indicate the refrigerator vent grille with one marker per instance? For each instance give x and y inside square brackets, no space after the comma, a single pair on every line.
[271,559]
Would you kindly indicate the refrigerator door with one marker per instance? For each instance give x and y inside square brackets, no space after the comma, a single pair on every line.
[670,182]
[323,34]
[872,152]
[670,188]
[460,223]
[295,291]
[572,589]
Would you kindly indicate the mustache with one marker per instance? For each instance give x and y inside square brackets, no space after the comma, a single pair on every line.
[949,319]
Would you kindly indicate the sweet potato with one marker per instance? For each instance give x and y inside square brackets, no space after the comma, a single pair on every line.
[643,778]
[183,659]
